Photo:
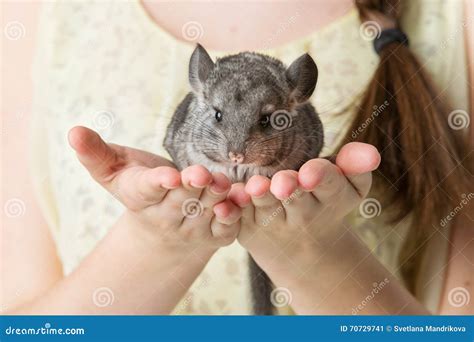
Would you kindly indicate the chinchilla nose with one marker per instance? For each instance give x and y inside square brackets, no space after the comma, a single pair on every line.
[236,158]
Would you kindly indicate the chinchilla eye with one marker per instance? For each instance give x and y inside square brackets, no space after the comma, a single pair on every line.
[218,116]
[265,121]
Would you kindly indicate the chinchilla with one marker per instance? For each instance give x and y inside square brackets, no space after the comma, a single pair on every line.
[247,114]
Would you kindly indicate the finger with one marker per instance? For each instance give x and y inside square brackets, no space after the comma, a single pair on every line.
[145,158]
[153,184]
[357,161]
[224,225]
[266,205]
[216,191]
[300,206]
[284,183]
[297,203]
[242,199]
[323,179]
[258,187]
[193,179]
[227,212]
[98,157]
[225,234]
[238,195]
[140,187]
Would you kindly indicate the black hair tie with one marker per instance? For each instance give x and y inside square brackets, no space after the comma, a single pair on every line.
[389,36]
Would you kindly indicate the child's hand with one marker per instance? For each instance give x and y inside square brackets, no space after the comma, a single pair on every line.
[172,209]
[297,212]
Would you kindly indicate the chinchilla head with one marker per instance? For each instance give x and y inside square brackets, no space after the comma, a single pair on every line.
[250,110]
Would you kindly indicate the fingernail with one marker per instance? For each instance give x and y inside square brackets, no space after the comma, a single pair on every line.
[196,186]
[221,217]
[259,196]
[169,187]
[217,190]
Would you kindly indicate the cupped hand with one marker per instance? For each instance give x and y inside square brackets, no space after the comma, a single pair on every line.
[297,211]
[188,208]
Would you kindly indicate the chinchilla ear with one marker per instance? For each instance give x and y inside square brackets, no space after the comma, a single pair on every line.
[302,75]
[200,65]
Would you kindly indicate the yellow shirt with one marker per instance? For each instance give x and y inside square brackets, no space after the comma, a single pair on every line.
[108,66]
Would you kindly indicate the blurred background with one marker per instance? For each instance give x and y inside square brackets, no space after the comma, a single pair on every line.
[19,20]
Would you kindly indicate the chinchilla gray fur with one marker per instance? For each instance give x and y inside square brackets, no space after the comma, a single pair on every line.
[266,119]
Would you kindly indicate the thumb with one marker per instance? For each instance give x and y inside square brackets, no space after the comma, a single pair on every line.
[357,161]
[96,155]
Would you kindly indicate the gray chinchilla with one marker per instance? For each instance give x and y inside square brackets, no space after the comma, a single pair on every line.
[247,114]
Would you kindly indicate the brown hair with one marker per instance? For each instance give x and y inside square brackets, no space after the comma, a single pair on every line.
[422,157]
